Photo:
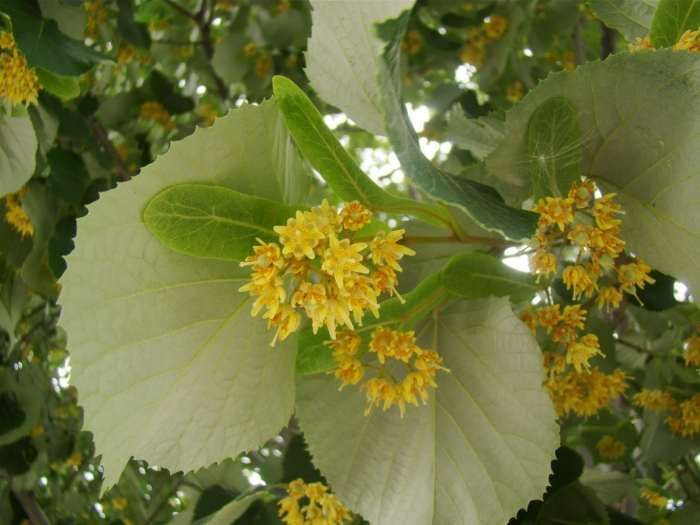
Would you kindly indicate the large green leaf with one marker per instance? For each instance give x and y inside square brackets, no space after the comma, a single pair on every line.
[554,147]
[632,18]
[323,150]
[169,365]
[479,136]
[477,452]
[215,222]
[640,138]
[17,152]
[342,60]
[475,275]
[671,19]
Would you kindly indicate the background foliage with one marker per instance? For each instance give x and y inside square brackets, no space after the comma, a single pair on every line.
[123,78]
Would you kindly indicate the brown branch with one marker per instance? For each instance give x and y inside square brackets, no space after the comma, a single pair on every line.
[203,19]
[100,133]
[31,507]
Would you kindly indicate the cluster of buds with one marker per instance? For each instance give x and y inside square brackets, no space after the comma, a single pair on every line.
[18,83]
[390,354]
[312,504]
[688,41]
[492,28]
[154,111]
[683,415]
[317,269]
[591,226]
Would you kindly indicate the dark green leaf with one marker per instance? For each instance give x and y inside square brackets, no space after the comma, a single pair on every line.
[573,504]
[166,93]
[212,499]
[42,42]
[130,29]
[68,179]
[672,19]
[63,87]
[298,463]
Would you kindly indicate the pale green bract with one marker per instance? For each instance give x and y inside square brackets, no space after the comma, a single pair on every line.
[18,145]
[632,18]
[640,138]
[479,450]
[215,222]
[170,365]
[343,62]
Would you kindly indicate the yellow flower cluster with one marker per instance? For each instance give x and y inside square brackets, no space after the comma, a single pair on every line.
[412,42]
[692,351]
[565,59]
[610,448]
[312,504]
[317,268]
[591,226]
[96,16]
[492,28]
[688,41]
[684,418]
[154,111]
[584,393]
[515,91]
[126,54]
[391,352]
[15,214]
[18,83]
[653,498]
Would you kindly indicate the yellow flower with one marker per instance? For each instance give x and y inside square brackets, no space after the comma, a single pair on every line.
[654,498]
[322,508]
[692,351]
[325,219]
[386,250]
[689,41]
[544,262]
[383,343]
[119,503]
[299,236]
[584,393]
[350,371]
[582,193]
[655,399]
[360,294]
[263,65]
[347,342]
[126,54]
[16,216]
[207,113]
[579,353]
[7,41]
[515,91]
[604,211]
[574,316]
[355,216]
[75,459]
[472,54]
[250,49]
[609,298]
[554,363]
[640,44]
[342,259]
[529,317]
[412,43]
[610,448]
[495,26]
[555,210]
[380,390]
[578,280]
[18,83]
[633,275]
[96,16]
[286,319]
[686,421]
[549,316]
[155,112]
[312,297]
